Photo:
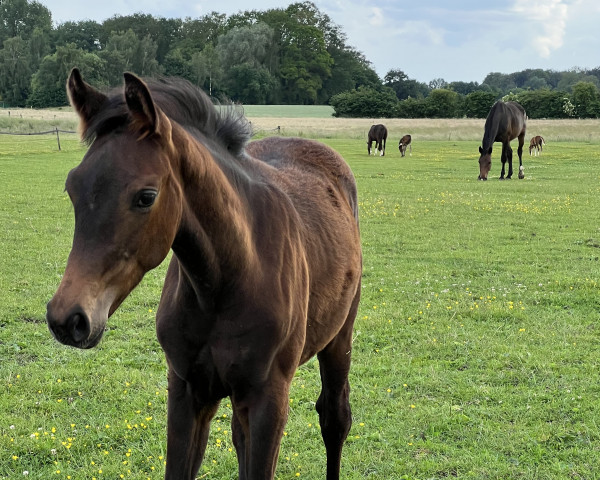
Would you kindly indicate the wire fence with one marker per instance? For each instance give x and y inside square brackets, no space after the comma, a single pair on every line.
[56,132]
[266,131]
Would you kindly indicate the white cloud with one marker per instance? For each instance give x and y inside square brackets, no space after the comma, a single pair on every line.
[549,16]
[422,33]
[376,18]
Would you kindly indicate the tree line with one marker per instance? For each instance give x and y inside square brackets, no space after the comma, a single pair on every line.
[581,100]
[292,55]
[295,55]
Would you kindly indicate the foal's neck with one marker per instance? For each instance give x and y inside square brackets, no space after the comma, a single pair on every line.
[214,236]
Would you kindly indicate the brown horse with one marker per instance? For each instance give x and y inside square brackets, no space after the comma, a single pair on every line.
[405,141]
[378,134]
[265,272]
[505,122]
[536,144]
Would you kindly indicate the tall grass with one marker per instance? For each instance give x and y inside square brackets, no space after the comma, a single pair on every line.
[455,130]
[315,121]
[475,355]
[26,121]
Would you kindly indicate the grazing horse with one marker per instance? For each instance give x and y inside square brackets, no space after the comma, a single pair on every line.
[378,134]
[265,271]
[405,142]
[505,122]
[535,145]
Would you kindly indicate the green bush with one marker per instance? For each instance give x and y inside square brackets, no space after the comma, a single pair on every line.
[478,104]
[365,102]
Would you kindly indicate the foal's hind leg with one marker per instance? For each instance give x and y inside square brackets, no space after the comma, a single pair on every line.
[333,404]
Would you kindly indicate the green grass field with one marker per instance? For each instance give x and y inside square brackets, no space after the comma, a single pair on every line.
[476,348]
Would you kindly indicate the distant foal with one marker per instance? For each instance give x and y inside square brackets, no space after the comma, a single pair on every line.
[405,141]
[535,145]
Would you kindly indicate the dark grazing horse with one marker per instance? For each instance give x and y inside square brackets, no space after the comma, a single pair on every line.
[505,122]
[265,272]
[535,145]
[405,141]
[378,134]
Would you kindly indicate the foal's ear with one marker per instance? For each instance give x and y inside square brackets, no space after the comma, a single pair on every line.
[85,99]
[147,117]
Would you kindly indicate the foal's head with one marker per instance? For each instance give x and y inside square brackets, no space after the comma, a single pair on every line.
[127,207]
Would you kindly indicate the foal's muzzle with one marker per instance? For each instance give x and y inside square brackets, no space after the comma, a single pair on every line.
[74,330]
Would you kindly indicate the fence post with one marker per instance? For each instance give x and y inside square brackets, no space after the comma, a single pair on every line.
[58,139]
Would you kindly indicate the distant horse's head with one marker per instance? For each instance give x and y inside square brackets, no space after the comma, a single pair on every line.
[126,207]
[485,163]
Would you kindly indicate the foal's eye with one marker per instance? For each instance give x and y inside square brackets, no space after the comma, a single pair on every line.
[145,198]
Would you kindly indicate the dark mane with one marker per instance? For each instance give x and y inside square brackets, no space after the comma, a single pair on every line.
[491,125]
[183,103]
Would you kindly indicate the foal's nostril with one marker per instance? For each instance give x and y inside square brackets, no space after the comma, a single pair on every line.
[78,327]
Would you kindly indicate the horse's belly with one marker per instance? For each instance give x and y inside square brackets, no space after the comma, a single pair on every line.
[328,316]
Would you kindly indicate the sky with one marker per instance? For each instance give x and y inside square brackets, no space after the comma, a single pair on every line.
[461,40]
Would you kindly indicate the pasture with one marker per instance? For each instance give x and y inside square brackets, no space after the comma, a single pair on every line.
[476,348]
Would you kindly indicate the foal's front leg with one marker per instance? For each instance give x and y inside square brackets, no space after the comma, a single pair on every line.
[258,423]
[187,431]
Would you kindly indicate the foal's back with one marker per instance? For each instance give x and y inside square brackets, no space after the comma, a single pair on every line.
[311,173]
[322,190]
